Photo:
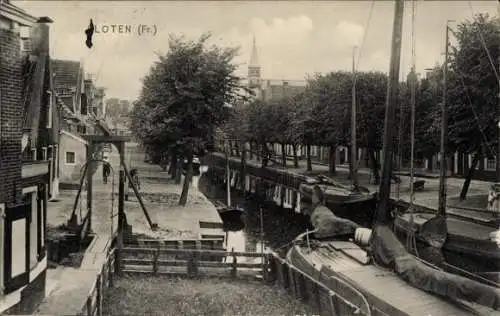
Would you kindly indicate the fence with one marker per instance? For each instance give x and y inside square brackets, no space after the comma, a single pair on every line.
[206,243]
[104,280]
[338,298]
[190,262]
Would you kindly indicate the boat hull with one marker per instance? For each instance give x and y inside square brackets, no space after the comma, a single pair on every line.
[358,207]
[383,290]
[229,213]
[464,238]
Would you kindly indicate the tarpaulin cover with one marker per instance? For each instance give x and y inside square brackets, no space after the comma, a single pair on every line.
[389,251]
[326,224]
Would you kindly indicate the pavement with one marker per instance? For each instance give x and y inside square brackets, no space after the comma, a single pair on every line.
[476,196]
[67,288]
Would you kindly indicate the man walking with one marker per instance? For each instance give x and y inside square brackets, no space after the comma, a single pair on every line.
[106,170]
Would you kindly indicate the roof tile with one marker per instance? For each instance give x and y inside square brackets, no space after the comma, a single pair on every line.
[66,73]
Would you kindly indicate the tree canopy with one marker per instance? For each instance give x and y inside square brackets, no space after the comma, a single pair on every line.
[185,96]
[321,114]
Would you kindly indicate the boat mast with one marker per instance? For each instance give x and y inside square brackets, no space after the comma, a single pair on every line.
[354,156]
[498,145]
[392,91]
[228,178]
[444,131]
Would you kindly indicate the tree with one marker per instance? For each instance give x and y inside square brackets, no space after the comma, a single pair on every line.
[185,96]
[473,89]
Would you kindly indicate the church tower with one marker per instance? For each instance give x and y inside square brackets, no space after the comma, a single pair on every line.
[254,79]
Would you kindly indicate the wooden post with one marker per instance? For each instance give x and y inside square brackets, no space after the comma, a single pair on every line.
[89,306]
[316,294]
[234,265]
[192,267]
[110,272]
[99,294]
[291,279]
[156,254]
[90,156]
[332,297]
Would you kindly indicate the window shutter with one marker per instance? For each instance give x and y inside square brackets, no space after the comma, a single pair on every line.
[13,214]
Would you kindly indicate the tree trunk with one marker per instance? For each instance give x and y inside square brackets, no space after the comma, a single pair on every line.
[230,144]
[187,178]
[237,148]
[349,162]
[243,167]
[250,153]
[309,162]
[295,156]
[173,163]
[283,154]
[265,154]
[332,159]
[470,174]
[178,169]
[374,166]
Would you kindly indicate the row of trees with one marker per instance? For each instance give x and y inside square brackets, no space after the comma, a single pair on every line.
[185,96]
[183,99]
[321,114]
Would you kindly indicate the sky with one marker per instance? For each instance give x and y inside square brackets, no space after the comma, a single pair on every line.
[294,38]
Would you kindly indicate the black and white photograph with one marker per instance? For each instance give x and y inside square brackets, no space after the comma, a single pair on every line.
[250,158]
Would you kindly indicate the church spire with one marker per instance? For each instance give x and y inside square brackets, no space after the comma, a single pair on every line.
[254,58]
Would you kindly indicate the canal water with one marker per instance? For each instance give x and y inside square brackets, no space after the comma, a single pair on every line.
[279,226]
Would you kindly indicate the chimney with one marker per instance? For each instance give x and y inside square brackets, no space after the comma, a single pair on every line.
[40,36]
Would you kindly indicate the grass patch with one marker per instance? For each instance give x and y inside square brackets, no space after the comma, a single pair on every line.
[148,295]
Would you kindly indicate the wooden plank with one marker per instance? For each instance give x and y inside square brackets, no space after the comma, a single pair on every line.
[187,251]
[182,263]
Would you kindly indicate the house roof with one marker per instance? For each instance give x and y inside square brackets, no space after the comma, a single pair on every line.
[28,78]
[66,74]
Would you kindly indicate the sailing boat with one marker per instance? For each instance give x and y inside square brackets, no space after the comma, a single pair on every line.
[456,235]
[338,195]
[398,284]
[228,212]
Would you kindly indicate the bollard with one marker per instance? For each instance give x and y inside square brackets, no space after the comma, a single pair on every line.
[234,265]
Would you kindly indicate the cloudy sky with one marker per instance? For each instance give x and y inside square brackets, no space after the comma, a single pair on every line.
[293,38]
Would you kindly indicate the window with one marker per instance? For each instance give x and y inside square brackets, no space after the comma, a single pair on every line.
[81,129]
[70,158]
[490,164]
[16,246]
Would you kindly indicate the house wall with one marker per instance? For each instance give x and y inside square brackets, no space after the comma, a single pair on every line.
[10,116]
[71,173]
[22,284]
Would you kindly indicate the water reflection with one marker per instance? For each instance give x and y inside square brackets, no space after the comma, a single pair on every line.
[280,226]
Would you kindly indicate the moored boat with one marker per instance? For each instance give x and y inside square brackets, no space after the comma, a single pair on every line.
[465,238]
[388,293]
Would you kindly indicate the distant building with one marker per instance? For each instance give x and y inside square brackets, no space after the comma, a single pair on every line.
[270,89]
[78,102]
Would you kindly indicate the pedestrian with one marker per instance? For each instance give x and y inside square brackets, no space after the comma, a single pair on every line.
[106,169]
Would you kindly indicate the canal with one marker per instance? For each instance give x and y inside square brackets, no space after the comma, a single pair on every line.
[279,226]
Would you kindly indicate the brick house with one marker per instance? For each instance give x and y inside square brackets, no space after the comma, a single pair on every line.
[78,101]
[27,132]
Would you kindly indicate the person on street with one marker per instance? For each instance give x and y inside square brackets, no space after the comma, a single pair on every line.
[106,170]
